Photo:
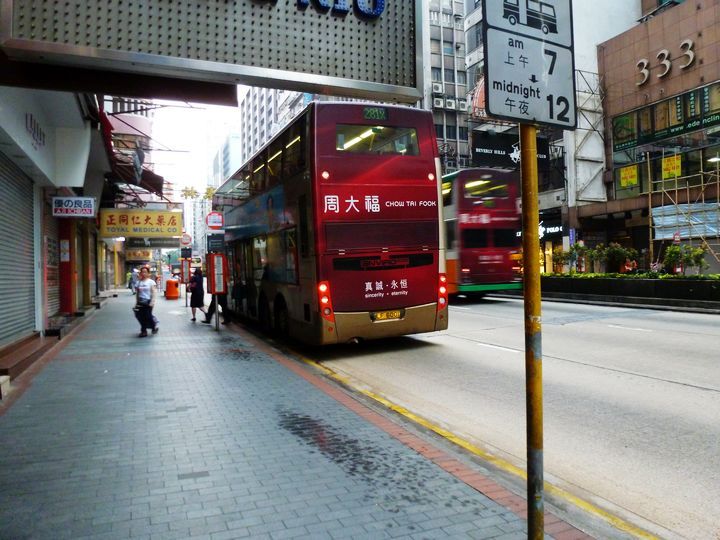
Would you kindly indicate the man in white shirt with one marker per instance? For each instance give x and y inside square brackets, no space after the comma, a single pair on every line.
[146,292]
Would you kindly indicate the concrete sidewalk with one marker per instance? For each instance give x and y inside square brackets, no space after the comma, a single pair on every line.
[192,433]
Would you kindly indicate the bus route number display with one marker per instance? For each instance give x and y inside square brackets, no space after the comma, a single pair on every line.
[375,113]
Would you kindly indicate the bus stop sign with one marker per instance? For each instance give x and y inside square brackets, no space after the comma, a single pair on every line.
[529,61]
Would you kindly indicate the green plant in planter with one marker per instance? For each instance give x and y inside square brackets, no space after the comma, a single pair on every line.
[693,257]
[559,258]
[615,255]
[577,255]
[672,257]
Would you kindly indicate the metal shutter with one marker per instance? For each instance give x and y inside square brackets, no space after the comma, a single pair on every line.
[17,298]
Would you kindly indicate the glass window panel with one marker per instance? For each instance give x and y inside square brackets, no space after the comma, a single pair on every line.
[435,46]
[692,104]
[645,127]
[448,47]
[364,139]
[662,120]
[711,99]
[624,129]
[675,111]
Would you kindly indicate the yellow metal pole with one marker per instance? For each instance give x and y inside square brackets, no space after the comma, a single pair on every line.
[533,331]
[116,265]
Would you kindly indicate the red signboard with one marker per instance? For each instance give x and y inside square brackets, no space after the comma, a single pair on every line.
[217,273]
[186,271]
[215,220]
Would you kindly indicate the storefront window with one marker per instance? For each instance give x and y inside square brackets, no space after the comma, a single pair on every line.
[711,99]
[692,105]
[675,111]
[691,166]
[662,121]
[645,127]
[711,155]
[627,182]
[624,130]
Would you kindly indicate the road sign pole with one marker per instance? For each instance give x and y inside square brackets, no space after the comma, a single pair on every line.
[533,331]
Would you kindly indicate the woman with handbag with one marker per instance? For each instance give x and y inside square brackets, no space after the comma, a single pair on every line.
[145,294]
[197,293]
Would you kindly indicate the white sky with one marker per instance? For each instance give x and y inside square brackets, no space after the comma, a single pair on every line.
[194,132]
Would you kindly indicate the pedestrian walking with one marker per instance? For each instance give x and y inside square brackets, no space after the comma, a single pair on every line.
[146,292]
[197,293]
[222,300]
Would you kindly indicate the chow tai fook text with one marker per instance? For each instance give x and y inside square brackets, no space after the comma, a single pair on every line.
[145,223]
[371,204]
[381,289]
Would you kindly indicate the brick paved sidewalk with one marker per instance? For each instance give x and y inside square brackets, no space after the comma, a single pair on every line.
[192,433]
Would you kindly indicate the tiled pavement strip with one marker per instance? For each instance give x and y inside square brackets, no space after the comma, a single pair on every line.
[194,434]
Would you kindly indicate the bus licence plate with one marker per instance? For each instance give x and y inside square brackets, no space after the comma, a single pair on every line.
[386,315]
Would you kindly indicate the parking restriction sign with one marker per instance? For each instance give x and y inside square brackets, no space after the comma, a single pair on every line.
[529,62]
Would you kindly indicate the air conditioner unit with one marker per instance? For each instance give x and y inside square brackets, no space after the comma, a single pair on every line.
[462,105]
[437,88]
[450,104]
[438,103]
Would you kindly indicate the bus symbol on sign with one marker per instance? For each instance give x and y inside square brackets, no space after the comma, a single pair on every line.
[529,67]
[540,15]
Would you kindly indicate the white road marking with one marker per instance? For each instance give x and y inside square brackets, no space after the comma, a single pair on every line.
[629,328]
[498,347]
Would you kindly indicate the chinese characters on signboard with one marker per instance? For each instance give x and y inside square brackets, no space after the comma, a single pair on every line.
[380,289]
[73,207]
[145,223]
[370,204]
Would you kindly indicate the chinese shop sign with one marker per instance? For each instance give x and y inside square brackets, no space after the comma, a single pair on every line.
[145,223]
[73,207]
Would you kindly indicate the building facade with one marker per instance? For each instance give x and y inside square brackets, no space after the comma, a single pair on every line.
[661,82]
[51,146]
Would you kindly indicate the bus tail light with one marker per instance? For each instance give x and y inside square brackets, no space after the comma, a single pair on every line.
[325,301]
[442,292]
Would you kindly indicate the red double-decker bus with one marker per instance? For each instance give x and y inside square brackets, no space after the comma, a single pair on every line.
[482,219]
[334,229]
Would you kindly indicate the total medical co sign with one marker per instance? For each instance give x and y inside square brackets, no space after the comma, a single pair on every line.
[142,223]
[529,61]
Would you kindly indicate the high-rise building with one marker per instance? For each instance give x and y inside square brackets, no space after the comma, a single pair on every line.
[449,82]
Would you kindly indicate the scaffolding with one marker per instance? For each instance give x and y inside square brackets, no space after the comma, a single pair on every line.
[685,208]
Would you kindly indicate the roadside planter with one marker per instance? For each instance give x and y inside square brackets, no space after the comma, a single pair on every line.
[675,288]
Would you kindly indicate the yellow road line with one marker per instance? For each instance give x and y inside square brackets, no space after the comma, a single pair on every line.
[500,463]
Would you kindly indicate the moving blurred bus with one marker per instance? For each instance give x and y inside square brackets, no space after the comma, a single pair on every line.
[481,209]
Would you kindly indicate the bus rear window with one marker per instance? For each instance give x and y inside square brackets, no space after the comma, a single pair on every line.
[377,235]
[475,238]
[506,238]
[364,139]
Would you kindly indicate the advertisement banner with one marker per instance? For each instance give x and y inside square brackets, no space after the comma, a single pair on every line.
[144,223]
[671,167]
[629,176]
[501,150]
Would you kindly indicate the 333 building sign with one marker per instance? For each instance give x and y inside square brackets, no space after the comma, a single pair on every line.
[664,59]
